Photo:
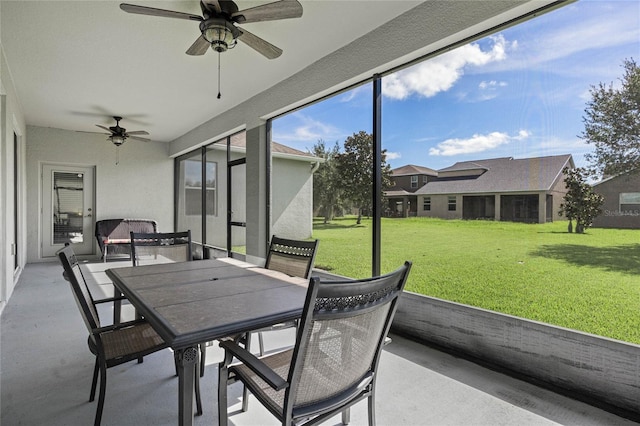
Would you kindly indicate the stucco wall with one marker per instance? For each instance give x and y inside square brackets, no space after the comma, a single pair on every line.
[291,199]
[611,216]
[598,370]
[140,186]
[11,121]
[440,207]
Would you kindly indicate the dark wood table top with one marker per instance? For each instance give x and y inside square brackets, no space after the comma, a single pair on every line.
[192,302]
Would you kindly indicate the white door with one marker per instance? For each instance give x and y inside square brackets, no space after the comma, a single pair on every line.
[67,208]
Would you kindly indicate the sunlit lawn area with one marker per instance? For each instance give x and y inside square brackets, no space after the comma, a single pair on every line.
[588,282]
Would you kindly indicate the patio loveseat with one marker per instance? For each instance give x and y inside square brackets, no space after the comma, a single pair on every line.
[114,235]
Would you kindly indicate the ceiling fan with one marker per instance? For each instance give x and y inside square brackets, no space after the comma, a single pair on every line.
[218,23]
[117,134]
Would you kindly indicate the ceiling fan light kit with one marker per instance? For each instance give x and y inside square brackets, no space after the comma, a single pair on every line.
[221,34]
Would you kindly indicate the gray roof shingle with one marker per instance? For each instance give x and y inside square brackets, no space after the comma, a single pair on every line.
[501,175]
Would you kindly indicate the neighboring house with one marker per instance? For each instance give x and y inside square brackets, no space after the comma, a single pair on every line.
[621,208]
[401,200]
[518,190]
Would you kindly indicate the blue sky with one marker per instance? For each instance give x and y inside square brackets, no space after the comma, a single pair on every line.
[518,93]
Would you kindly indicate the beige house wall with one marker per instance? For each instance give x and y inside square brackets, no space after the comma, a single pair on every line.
[440,207]
[612,216]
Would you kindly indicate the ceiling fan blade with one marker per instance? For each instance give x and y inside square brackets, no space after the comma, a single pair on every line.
[138,132]
[199,47]
[105,128]
[152,11]
[283,9]
[139,139]
[261,46]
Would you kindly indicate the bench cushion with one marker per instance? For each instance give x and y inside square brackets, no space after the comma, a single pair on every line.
[116,233]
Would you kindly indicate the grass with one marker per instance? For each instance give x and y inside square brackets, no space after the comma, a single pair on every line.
[588,282]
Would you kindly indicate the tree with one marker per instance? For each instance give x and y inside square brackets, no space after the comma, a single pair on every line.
[355,166]
[327,185]
[612,124]
[581,203]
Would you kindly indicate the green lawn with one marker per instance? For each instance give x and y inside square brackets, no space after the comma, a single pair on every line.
[588,282]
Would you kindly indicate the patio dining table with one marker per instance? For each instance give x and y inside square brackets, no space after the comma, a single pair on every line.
[188,303]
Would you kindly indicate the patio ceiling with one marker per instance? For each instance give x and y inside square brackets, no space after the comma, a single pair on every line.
[75,64]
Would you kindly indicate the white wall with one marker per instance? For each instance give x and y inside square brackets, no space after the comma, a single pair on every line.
[140,186]
[291,198]
[11,121]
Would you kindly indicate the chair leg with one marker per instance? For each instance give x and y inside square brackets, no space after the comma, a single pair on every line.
[197,388]
[203,357]
[103,389]
[245,391]
[346,416]
[372,410]
[94,382]
[261,343]
[223,382]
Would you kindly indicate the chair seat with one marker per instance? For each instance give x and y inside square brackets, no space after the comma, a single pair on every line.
[279,363]
[135,339]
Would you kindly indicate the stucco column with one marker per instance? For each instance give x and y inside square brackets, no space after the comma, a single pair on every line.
[256,193]
[542,207]
[497,208]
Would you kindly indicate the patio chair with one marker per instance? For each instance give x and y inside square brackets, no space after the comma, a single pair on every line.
[164,247]
[157,247]
[334,361]
[292,257]
[112,345]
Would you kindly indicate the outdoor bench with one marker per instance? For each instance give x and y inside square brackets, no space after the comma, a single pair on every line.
[114,235]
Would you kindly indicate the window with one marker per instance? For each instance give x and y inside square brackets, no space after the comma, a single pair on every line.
[424,180]
[414,181]
[426,204]
[630,202]
[193,188]
[452,204]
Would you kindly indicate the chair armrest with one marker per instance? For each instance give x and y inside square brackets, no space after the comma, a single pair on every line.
[255,364]
[115,327]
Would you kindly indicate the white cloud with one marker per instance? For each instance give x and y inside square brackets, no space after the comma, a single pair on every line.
[393,155]
[440,73]
[491,85]
[476,143]
[309,130]
[595,25]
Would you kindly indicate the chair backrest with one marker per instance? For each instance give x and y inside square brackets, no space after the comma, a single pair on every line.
[339,341]
[292,257]
[160,247]
[84,299]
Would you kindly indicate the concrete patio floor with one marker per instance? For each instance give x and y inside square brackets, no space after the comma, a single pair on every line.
[46,369]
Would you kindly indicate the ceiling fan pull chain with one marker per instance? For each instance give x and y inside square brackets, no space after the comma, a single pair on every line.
[219,95]
[117,155]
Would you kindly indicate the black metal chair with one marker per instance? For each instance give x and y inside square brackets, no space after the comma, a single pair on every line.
[334,361]
[292,257]
[162,247]
[114,344]
[158,247]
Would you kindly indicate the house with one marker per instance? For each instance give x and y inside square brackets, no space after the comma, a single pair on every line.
[621,208]
[518,190]
[400,197]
